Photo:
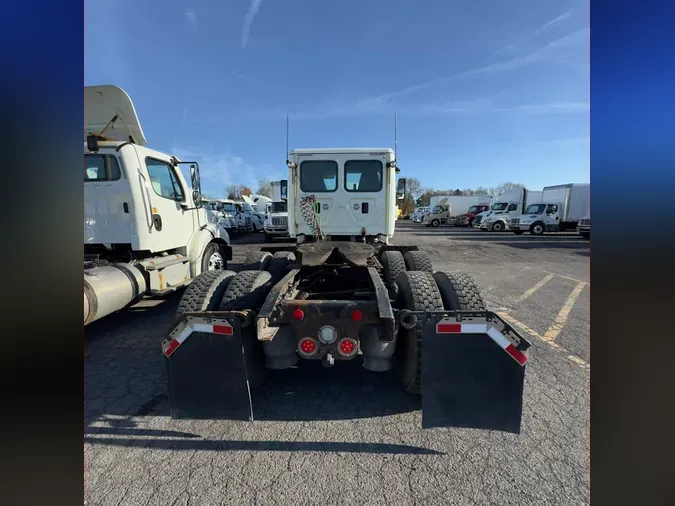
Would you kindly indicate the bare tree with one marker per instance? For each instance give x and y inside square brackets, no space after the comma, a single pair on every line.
[265,188]
[233,191]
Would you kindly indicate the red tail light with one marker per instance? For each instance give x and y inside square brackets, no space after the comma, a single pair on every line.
[357,315]
[307,347]
[347,347]
[298,314]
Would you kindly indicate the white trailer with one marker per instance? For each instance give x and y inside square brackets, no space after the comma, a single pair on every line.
[146,230]
[449,208]
[560,209]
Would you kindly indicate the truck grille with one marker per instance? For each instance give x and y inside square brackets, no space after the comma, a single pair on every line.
[515,221]
[281,221]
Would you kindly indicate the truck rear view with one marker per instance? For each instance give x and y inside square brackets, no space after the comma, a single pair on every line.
[345,293]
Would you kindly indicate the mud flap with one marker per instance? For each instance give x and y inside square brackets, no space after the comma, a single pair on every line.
[469,381]
[206,372]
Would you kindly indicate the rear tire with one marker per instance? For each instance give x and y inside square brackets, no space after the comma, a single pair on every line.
[248,290]
[393,264]
[435,223]
[417,292]
[280,264]
[497,226]
[459,292]
[418,261]
[205,292]
[257,261]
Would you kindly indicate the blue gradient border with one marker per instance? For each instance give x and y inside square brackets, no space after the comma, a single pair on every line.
[633,253]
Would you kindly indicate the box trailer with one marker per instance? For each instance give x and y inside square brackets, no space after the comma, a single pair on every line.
[561,208]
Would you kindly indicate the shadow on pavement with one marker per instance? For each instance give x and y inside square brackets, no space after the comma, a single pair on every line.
[266,446]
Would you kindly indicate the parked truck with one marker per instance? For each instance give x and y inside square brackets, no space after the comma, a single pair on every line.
[418,215]
[560,209]
[509,204]
[448,208]
[276,218]
[466,219]
[584,227]
[345,292]
[146,230]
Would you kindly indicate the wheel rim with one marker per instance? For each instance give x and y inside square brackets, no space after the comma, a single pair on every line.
[435,223]
[215,262]
[537,229]
[497,227]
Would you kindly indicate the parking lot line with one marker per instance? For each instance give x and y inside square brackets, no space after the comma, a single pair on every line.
[570,356]
[567,277]
[552,333]
[536,287]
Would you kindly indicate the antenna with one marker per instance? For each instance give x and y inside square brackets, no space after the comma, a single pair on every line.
[286,155]
[396,137]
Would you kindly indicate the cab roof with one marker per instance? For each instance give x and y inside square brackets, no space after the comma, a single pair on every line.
[101,104]
[340,151]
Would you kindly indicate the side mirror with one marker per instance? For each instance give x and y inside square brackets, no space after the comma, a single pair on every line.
[196,196]
[400,189]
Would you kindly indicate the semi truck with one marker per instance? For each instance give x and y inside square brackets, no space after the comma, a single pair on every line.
[344,292]
[448,208]
[418,215]
[560,209]
[508,205]
[146,230]
[466,219]
[276,217]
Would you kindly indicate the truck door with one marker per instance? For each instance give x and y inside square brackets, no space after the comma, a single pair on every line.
[169,198]
[107,195]
[317,187]
[364,186]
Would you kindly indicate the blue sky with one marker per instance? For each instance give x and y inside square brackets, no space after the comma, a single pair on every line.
[487,91]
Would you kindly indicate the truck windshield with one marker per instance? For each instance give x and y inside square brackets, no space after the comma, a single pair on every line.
[226,207]
[500,206]
[279,207]
[535,209]
[438,209]
[475,209]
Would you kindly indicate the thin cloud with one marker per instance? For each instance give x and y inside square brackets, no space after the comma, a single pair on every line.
[253,8]
[244,77]
[539,55]
[191,16]
[509,48]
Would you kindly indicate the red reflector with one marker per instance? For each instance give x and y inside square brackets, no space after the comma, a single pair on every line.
[222,329]
[357,315]
[307,346]
[171,348]
[347,347]
[449,328]
[298,314]
[520,357]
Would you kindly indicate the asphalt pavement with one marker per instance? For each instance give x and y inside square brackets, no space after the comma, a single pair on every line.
[345,435]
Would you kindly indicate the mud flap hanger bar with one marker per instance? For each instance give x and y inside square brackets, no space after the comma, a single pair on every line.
[213,322]
[470,322]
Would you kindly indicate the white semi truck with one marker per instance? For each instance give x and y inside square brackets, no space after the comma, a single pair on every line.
[448,208]
[146,230]
[276,218]
[506,206]
[345,292]
[560,209]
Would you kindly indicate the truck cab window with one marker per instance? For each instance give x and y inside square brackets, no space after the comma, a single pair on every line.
[101,168]
[552,208]
[512,207]
[318,176]
[363,176]
[163,180]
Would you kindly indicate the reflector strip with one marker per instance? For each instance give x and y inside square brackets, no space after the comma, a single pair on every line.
[507,346]
[444,327]
[461,328]
[222,328]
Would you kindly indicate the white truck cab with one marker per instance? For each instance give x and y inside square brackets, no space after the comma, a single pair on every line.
[508,206]
[146,230]
[560,210]
[418,215]
[342,194]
